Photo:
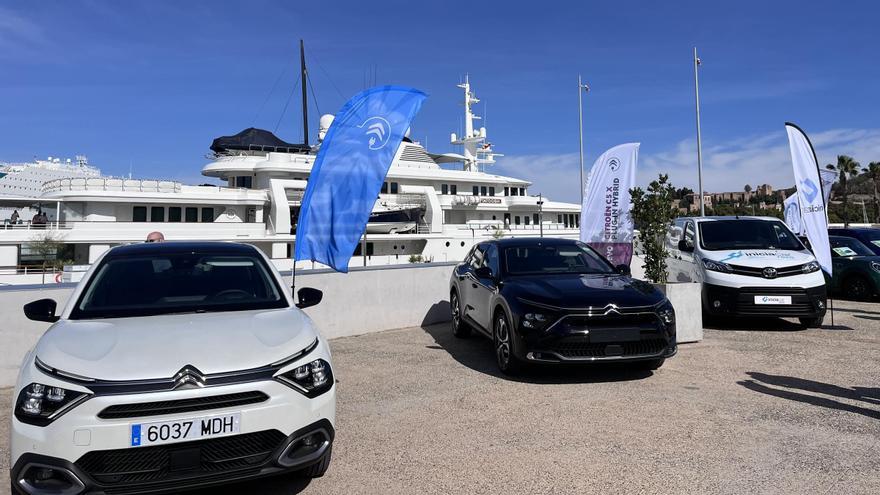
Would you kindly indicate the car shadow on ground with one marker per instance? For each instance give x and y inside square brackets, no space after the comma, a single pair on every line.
[274,485]
[476,353]
[791,388]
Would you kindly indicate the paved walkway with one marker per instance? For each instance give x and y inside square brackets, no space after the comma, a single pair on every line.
[760,407]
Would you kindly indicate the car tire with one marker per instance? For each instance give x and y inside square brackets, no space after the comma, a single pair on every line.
[318,469]
[503,345]
[811,322]
[652,364]
[857,288]
[459,328]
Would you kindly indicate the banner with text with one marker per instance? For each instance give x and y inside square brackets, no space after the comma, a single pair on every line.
[606,224]
[809,192]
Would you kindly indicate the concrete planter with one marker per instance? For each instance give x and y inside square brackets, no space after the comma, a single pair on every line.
[686,298]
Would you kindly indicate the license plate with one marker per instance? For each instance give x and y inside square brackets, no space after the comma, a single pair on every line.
[772,299]
[181,430]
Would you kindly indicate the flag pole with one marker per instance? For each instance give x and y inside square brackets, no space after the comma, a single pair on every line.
[584,87]
[699,136]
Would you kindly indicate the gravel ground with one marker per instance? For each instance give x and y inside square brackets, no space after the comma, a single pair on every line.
[757,407]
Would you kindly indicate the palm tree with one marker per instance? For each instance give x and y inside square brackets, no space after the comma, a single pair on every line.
[873,171]
[847,167]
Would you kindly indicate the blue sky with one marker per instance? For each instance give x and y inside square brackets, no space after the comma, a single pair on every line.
[149,84]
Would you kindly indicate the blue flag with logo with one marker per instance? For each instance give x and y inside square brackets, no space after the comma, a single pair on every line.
[349,171]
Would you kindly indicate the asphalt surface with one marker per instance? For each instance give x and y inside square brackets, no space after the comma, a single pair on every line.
[757,407]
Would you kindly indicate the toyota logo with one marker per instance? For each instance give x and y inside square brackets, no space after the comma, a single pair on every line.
[769,272]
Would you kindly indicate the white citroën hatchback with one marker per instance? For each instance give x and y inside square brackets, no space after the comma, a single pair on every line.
[173,365]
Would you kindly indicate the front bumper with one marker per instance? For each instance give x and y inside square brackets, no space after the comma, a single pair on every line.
[96,447]
[740,301]
[578,338]
[174,467]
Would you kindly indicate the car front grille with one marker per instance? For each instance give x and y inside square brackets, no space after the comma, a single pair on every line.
[786,271]
[644,321]
[574,349]
[158,408]
[800,301]
[121,470]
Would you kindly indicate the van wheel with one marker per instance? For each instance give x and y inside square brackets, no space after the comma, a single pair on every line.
[812,322]
[459,328]
[857,288]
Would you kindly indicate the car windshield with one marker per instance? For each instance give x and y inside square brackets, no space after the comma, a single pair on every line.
[718,235]
[153,284]
[847,246]
[542,259]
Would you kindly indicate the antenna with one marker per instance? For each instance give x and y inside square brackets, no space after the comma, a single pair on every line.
[305,102]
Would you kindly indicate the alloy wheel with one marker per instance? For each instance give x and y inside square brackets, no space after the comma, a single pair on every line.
[502,342]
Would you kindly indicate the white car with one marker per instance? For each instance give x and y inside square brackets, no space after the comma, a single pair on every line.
[173,365]
[749,266]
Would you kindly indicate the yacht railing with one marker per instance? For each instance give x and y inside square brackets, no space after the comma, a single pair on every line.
[29,225]
[499,225]
[111,184]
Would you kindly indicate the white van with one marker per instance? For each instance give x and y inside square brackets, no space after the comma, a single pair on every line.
[749,266]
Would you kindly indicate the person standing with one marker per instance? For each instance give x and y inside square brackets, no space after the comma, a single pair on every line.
[14,219]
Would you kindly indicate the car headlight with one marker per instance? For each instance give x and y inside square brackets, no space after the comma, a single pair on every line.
[40,404]
[535,321]
[810,267]
[312,379]
[715,266]
[666,314]
[876,266]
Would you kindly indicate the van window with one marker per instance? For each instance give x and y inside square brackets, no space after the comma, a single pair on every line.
[720,235]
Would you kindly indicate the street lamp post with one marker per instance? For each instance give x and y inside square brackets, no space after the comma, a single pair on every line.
[697,63]
[541,214]
[582,88]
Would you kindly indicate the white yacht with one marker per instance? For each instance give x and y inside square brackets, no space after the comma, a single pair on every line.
[432,207]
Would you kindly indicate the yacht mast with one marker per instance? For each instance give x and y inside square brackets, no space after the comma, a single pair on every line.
[304,76]
[476,149]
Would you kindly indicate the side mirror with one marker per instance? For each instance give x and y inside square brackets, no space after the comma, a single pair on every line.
[308,296]
[685,246]
[623,270]
[41,310]
[483,272]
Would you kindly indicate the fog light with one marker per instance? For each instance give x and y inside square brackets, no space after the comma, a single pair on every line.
[716,304]
[40,478]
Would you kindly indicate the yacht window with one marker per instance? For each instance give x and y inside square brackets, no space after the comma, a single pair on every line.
[516,220]
[244,181]
[444,189]
[522,191]
[453,189]
[535,218]
[139,214]
[507,191]
[491,191]
[207,214]
[173,213]
[558,218]
[157,214]
[394,188]
[565,224]
[483,191]
[513,191]
[476,190]
[577,219]
[526,219]
[192,214]
[384,188]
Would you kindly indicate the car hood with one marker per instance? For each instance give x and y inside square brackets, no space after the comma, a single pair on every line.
[159,346]
[582,291]
[760,258]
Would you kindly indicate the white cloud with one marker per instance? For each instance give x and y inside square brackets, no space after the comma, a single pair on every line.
[761,159]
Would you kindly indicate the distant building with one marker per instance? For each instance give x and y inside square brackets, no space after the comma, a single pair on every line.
[764,190]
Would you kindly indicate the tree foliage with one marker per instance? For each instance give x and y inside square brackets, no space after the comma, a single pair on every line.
[653,212]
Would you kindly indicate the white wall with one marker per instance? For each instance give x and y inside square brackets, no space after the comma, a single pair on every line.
[362,301]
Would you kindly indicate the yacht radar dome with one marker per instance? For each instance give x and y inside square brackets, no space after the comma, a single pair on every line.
[324,125]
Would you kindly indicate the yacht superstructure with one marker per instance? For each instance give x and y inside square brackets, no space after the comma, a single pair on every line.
[432,207]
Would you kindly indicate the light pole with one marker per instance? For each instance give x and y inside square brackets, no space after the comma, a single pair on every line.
[697,63]
[541,214]
[582,88]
